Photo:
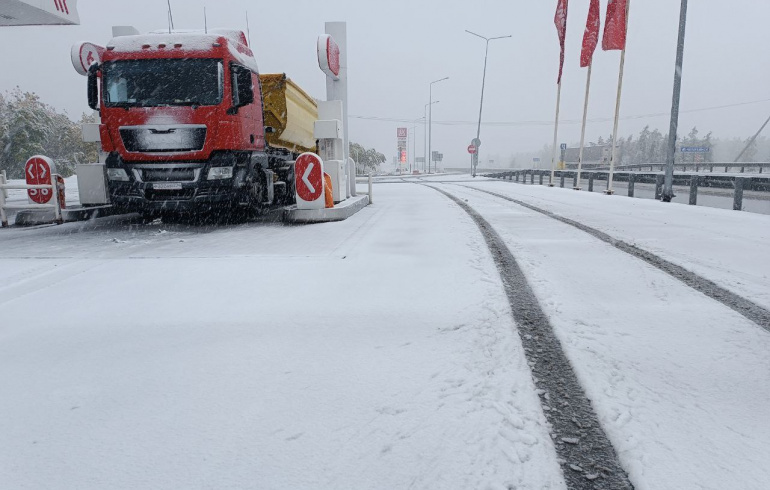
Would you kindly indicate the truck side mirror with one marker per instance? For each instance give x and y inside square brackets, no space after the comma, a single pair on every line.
[243,87]
[93,86]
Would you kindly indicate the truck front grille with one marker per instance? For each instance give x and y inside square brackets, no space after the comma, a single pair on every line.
[164,138]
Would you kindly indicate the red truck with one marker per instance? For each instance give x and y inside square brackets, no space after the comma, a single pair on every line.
[189,125]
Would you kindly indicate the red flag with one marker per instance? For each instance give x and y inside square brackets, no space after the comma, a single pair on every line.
[560,19]
[615,26]
[591,35]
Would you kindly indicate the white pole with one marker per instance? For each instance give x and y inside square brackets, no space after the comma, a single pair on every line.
[370,188]
[56,204]
[3,217]
[614,156]
[583,131]
[555,136]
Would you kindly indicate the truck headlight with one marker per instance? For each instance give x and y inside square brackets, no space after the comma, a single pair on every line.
[117,174]
[219,173]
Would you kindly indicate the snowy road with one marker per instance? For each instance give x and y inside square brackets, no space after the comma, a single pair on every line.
[379,352]
[373,353]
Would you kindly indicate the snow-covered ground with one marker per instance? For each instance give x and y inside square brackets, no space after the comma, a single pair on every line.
[378,352]
[374,353]
[679,380]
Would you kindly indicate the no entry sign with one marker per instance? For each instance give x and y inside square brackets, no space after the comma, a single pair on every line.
[471,149]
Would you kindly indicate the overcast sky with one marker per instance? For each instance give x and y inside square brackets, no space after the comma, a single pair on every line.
[397,47]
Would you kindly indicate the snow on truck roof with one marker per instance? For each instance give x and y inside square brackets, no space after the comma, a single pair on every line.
[189,41]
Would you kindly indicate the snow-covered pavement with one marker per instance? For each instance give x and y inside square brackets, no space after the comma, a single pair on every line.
[677,379]
[379,352]
[374,353]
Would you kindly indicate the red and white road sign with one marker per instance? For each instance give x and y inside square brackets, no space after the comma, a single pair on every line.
[84,55]
[471,149]
[38,172]
[309,177]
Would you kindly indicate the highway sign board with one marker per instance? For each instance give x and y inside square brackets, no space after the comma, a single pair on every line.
[564,146]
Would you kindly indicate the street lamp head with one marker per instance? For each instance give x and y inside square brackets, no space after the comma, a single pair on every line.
[487,39]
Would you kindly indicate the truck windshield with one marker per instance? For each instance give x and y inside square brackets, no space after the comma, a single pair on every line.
[152,83]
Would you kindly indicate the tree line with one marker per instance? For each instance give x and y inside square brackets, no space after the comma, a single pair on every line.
[367,160]
[29,127]
[650,146]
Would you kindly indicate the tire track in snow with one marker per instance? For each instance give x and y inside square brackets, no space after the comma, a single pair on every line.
[745,307]
[587,458]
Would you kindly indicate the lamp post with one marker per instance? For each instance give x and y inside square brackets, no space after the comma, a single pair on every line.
[430,117]
[425,131]
[668,179]
[481,104]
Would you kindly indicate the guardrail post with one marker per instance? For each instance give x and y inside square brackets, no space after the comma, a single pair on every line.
[694,190]
[591,182]
[541,178]
[742,167]
[561,179]
[658,187]
[574,181]
[5,181]
[631,182]
[738,196]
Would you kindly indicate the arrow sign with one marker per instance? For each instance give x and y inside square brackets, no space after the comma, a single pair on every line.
[309,177]
[38,172]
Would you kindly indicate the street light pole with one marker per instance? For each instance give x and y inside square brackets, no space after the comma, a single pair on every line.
[430,117]
[668,182]
[425,133]
[481,104]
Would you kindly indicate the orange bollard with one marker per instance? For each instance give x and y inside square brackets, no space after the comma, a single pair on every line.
[328,195]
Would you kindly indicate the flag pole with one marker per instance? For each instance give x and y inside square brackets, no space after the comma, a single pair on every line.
[555,136]
[614,156]
[583,131]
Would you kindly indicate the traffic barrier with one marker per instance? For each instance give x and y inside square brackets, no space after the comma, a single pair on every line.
[737,183]
[53,187]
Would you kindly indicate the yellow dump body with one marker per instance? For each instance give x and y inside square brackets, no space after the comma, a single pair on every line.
[290,112]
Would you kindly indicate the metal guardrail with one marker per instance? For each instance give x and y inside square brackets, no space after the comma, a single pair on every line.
[693,167]
[53,186]
[693,181]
